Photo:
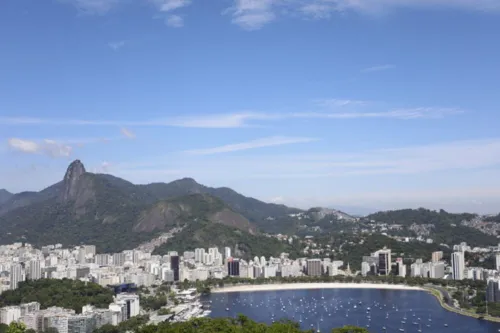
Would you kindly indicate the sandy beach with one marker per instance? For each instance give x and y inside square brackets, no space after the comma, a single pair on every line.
[297,286]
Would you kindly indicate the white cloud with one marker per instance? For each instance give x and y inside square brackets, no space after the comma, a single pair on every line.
[127,133]
[378,68]
[254,14]
[171,5]
[92,6]
[115,46]
[414,113]
[334,102]
[259,143]
[47,147]
[174,21]
[248,118]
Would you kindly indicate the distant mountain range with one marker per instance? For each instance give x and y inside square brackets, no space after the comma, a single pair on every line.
[115,214]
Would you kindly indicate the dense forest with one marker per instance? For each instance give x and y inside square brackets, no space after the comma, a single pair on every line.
[66,293]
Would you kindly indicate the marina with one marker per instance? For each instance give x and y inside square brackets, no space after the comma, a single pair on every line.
[323,309]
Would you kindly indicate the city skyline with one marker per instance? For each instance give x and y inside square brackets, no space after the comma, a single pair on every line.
[317,103]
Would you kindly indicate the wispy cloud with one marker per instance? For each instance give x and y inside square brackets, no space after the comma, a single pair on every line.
[171,5]
[115,46]
[254,14]
[259,143]
[92,6]
[46,147]
[334,102]
[127,133]
[174,21]
[378,68]
[243,119]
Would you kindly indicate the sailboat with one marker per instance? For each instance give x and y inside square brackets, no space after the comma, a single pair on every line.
[317,328]
[401,329]
[420,328]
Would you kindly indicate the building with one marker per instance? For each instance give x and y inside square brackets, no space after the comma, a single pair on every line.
[16,275]
[174,266]
[227,252]
[493,290]
[437,270]
[233,267]
[9,314]
[365,268]
[313,267]
[119,259]
[384,261]
[457,265]
[437,256]
[131,302]
[34,270]
[497,261]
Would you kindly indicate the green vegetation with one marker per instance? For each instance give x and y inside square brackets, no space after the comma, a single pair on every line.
[66,293]
[355,246]
[206,234]
[132,325]
[240,324]
[447,228]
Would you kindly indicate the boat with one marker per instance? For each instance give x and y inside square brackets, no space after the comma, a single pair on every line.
[227,309]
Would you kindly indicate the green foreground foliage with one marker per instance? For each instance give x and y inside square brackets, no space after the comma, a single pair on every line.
[241,324]
[66,293]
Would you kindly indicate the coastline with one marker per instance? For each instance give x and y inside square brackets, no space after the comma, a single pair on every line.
[319,285]
[338,285]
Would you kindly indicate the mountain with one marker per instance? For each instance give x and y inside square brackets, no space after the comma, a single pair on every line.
[114,214]
[254,210]
[441,226]
[4,195]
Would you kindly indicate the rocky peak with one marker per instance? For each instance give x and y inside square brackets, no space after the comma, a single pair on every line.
[70,181]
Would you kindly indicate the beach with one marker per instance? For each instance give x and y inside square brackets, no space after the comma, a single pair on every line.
[298,286]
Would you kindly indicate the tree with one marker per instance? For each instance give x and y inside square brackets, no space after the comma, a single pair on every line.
[16,327]
[350,329]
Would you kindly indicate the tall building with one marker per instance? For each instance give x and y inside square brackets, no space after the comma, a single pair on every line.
[16,275]
[384,261]
[227,252]
[174,266]
[313,267]
[132,304]
[199,255]
[493,290]
[34,270]
[119,259]
[233,267]
[458,265]
[437,270]
[497,261]
[437,255]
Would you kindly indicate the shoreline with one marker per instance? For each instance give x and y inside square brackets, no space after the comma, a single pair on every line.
[339,285]
[315,285]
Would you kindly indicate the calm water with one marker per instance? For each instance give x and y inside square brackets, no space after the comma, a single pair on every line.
[329,308]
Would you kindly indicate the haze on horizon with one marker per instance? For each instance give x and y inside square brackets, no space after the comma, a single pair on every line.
[307,103]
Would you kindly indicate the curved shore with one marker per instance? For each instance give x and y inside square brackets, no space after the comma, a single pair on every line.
[336,285]
[297,286]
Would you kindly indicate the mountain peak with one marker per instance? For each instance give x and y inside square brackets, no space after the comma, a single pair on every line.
[75,170]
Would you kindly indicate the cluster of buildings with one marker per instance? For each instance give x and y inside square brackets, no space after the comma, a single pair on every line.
[19,262]
[380,263]
[63,320]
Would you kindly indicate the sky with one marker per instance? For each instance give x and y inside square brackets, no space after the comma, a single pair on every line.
[379,104]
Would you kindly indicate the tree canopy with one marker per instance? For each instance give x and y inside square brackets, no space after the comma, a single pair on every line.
[66,293]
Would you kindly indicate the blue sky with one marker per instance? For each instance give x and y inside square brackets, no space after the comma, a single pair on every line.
[371,103]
